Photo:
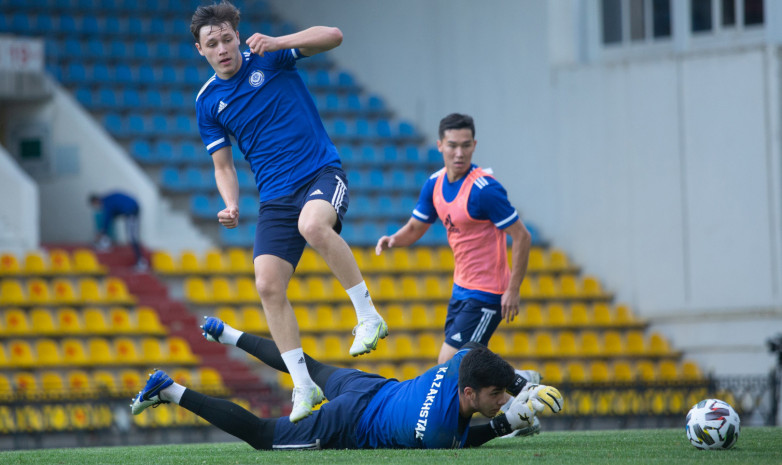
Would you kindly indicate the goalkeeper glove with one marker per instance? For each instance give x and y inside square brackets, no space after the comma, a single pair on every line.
[532,400]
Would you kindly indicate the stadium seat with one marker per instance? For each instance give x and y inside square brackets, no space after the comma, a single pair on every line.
[602,314]
[599,372]
[16,322]
[658,344]
[229,316]
[254,320]
[9,264]
[222,290]
[428,346]
[69,321]
[52,384]
[47,352]
[90,291]
[623,372]
[566,343]
[590,344]
[95,321]
[43,321]
[163,263]
[552,373]
[668,371]
[20,354]
[612,343]
[152,352]
[575,372]
[63,292]
[179,351]
[579,315]
[211,381]
[25,385]
[635,343]
[125,351]
[120,321]
[555,313]
[38,291]
[78,384]
[85,262]
[105,382]
[73,352]
[99,351]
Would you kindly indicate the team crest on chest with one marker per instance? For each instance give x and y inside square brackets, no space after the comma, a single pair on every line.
[256,78]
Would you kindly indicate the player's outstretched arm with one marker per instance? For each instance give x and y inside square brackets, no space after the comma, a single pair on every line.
[312,41]
[228,185]
[410,232]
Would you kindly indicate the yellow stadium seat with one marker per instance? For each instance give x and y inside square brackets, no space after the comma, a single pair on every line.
[246,291]
[543,344]
[533,315]
[78,383]
[548,287]
[229,317]
[95,321]
[384,287]
[311,346]
[38,291]
[35,263]
[333,349]
[316,289]
[90,291]
[179,351]
[12,293]
[591,286]
[126,351]
[211,381]
[240,261]
[311,262]
[396,316]
[570,286]
[63,292]
[99,351]
[558,260]
[222,290]
[47,352]
[163,263]
[214,261]
[445,258]
[690,371]
[590,344]
[623,372]
[410,370]
[105,382]
[423,259]
[658,344]
[566,343]
[52,384]
[538,261]
[529,288]
[196,290]
[576,372]
[73,352]
[181,376]
[428,346]
[338,293]
[130,381]
[9,264]
[346,317]
[646,370]
[16,322]
[403,347]
[285,381]
[422,317]
[85,262]
[579,315]
[552,373]
[148,321]
[189,263]
[296,290]
[435,288]
[120,321]
[400,259]
[520,344]
[409,288]
[69,321]
[598,372]
[500,345]
[556,315]
[4,363]
[254,320]
[668,370]
[20,354]
[117,291]
[321,318]
[151,351]
[60,261]
[602,314]
[612,343]
[624,315]
[635,344]
[376,263]
[6,394]
[386,370]
[25,384]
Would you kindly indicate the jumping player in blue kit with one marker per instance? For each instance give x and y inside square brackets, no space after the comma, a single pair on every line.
[258,99]
[368,411]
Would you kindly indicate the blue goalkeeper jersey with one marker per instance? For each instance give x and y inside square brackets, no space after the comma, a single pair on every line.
[419,413]
[267,109]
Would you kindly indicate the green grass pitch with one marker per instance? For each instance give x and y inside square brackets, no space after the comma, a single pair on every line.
[756,446]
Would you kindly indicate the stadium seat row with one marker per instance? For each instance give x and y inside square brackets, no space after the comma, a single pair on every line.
[107,98]
[53,262]
[101,383]
[34,418]
[96,351]
[390,154]
[576,344]
[66,321]
[62,291]
[137,125]
[364,129]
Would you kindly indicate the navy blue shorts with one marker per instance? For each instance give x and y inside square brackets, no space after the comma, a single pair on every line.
[277,231]
[471,320]
[333,426]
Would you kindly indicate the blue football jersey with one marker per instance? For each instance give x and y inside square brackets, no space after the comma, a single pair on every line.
[419,413]
[267,109]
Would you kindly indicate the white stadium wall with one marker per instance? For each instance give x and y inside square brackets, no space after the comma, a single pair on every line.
[19,229]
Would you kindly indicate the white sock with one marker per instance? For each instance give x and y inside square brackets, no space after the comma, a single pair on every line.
[172,393]
[297,367]
[362,302]
[230,335]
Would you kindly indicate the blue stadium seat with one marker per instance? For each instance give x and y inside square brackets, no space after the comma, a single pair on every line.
[184,125]
[383,128]
[75,73]
[123,74]
[188,153]
[332,102]
[420,177]
[84,96]
[248,203]
[112,122]
[322,78]
[171,180]
[130,98]
[71,49]
[193,76]
[201,206]
[20,24]
[136,125]
[158,124]
[362,206]
[385,206]
[112,25]
[433,155]
[52,48]
[106,98]
[55,72]
[100,74]
[352,103]
[411,154]
[406,129]
[362,128]
[141,151]
[157,26]
[94,49]
[368,155]
[345,80]
[169,75]
[90,26]
[151,100]
[118,49]
[339,128]
[164,151]
[176,99]
[185,50]
[44,25]
[356,179]
[375,104]
[406,204]
[390,154]
[140,50]
[246,179]
[146,75]
[69,25]
[242,236]
[162,51]
[377,179]
[346,154]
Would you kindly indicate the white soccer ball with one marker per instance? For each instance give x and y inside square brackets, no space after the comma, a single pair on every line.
[712,424]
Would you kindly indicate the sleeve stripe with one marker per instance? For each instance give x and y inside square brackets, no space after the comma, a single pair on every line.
[508,219]
[295,54]
[217,142]
[420,215]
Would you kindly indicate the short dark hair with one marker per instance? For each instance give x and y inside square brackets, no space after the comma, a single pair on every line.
[482,368]
[456,121]
[93,198]
[214,15]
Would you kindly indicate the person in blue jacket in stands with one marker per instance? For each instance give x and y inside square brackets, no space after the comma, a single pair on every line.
[114,205]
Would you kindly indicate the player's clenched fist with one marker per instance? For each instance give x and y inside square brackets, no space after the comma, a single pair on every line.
[260,44]
[229,217]
[541,395]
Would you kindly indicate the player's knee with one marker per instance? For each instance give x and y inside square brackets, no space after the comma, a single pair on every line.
[314,232]
[269,289]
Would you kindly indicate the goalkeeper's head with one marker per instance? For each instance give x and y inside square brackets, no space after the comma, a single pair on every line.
[483,378]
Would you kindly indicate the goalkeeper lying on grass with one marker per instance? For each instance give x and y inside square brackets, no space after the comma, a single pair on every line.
[368,411]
